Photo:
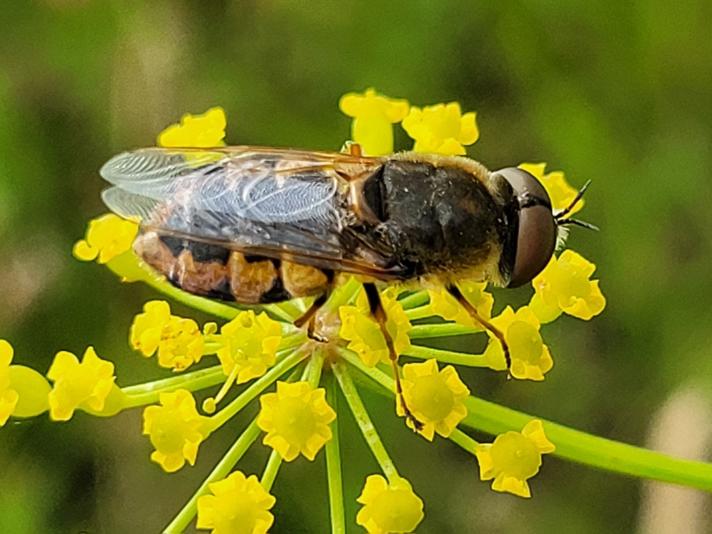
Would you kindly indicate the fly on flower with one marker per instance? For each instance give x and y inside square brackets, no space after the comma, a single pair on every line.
[263,225]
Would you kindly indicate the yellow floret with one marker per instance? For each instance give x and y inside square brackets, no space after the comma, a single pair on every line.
[513,458]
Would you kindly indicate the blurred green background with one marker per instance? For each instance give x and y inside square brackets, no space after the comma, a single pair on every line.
[620,93]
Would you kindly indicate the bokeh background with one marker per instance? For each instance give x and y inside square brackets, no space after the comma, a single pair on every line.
[618,92]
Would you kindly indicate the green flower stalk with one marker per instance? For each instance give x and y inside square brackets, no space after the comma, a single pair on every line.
[258,354]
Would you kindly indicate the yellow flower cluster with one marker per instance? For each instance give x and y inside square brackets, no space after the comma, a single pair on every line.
[296,418]
[178,341]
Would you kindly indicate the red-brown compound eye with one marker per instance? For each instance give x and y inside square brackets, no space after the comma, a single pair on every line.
[536,233]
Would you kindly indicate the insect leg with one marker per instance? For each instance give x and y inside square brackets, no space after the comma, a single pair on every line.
[496,332]
[374,301]
[307,318]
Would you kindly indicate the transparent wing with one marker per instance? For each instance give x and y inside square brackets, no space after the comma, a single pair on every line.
[273,201]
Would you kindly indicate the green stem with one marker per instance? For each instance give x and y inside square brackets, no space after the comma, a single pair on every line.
[592,450]
[312,373]
[419,298]
[333,467]
[149,393]
[571,444]
[463,440]
[221,470]
[257,387]
[420,312]
[364,421]
[447,356]
[378,376]
[271,469]
[421,331]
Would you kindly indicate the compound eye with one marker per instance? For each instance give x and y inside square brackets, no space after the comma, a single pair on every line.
[536,233]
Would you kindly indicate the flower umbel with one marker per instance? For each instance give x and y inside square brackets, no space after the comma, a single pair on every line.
[441,129]
[296,419]
[513,458]
[176,430]
[389,507]
[373,115]
[253,349]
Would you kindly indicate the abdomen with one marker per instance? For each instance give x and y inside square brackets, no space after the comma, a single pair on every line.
[217,272]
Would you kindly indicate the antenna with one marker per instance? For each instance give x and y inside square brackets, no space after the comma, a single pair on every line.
[561,221]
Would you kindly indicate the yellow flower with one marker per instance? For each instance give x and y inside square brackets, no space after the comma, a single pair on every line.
[77,385]
[513,458]
[238,505]
[176,430]
[8,396]
[442,303]
[434,397]
[388,507]
[249,342]
[178,341]
[565,285]
[364,334]
[196,131]
[23,391]
[531,359]
[107,237]
[441,129]
[560,192]
[296,419]
[373,116]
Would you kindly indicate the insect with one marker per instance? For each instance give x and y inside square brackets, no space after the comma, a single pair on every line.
[259,225]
